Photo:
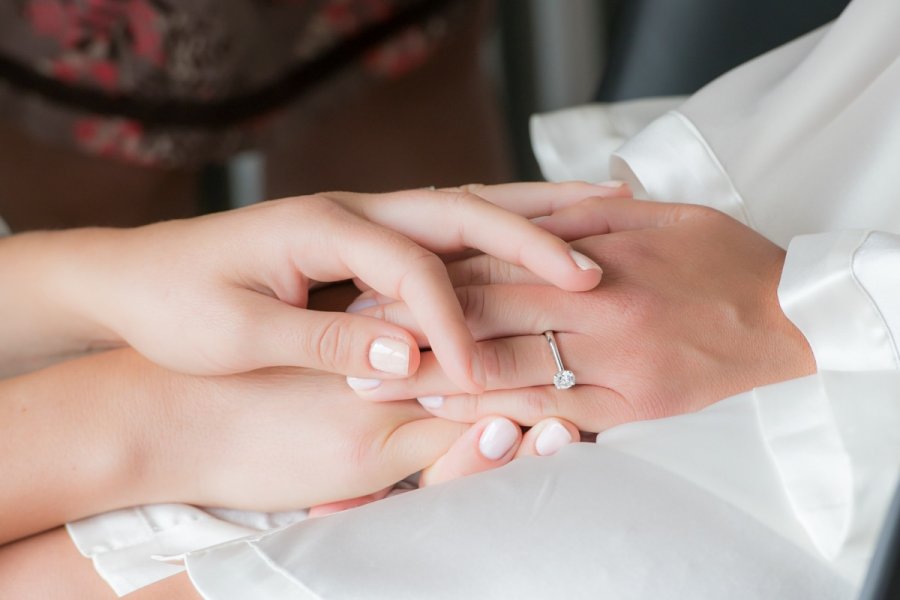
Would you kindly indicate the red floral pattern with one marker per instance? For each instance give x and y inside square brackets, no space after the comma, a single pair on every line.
[191,49]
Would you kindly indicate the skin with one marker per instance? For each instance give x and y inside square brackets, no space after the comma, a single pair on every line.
[233,287]
[687,314]
[99,429]
[23,564]
[105,423]
[99,432]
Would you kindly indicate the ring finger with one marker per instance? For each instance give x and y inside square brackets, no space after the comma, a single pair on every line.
[509,363]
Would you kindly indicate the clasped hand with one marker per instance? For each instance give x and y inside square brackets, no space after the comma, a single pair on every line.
[686,314]
[231,287]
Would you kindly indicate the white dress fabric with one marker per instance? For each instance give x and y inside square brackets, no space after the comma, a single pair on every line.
[776,493]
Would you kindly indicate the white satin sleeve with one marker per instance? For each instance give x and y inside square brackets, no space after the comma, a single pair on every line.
[842,290]
[803,139]
[835,441]
[796,490]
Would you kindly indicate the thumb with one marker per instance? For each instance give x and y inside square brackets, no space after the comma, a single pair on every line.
[597,216]
[363,347]
[489,443]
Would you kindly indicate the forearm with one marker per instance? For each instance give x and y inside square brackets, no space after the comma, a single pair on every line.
[46,279]
[80,438]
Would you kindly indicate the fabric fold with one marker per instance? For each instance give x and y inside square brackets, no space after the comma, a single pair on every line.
[835,440]
[575,143]
[821,294]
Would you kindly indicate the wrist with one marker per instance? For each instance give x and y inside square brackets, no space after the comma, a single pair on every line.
[80,433]
[51,281]
[81,274]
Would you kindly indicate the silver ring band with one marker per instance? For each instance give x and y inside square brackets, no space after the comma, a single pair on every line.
[564,379]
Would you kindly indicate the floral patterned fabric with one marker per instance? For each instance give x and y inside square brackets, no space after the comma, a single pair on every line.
[193,51]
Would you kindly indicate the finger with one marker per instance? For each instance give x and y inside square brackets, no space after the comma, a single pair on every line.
[341,505]
[452,221]
[397,267]
[548,437]
[596,216]
[275,333]
[492,311]
[510,363]
[416,445]
[489,443]
[589,408]
[540,198]
[484,269]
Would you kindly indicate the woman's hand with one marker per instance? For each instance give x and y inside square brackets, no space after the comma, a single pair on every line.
[687,314]
[490,443]
[113,430]
[226,293]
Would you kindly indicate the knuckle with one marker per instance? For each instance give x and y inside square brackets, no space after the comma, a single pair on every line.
[331,343]
[303,209]
[498,270]
[235,337]
[681,212]
[423,268]
[537,404]
[474,189]
[492,362]
[638,311]
[652,404]
[595,203]
[471,300]
[464,199]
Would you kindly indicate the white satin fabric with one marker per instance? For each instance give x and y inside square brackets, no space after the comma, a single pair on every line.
[776,493]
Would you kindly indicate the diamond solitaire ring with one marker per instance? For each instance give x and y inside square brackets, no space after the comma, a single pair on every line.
[564,379]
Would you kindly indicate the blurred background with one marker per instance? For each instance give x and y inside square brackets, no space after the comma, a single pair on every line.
[285,98]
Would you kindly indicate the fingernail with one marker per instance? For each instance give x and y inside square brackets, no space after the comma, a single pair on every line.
[538,220]
[583,262]
[431,401]
[390,356]
[368,300]
[361,385]
[553,437]
[497,439]
[615,183]
[361,304]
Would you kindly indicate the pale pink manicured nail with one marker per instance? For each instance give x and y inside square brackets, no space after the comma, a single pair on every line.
[361,304]
[390,356]
[538,220]
[497,439]
[615,183]
[362,385]
[368,300]
[431,401]
[551,439]
[583,262]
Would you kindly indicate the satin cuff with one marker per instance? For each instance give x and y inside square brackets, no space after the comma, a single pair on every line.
[135,547]
[670,161]
[122,543]
[575,143]
[839,296]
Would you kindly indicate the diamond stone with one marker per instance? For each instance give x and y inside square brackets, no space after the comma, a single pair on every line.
[564,380]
